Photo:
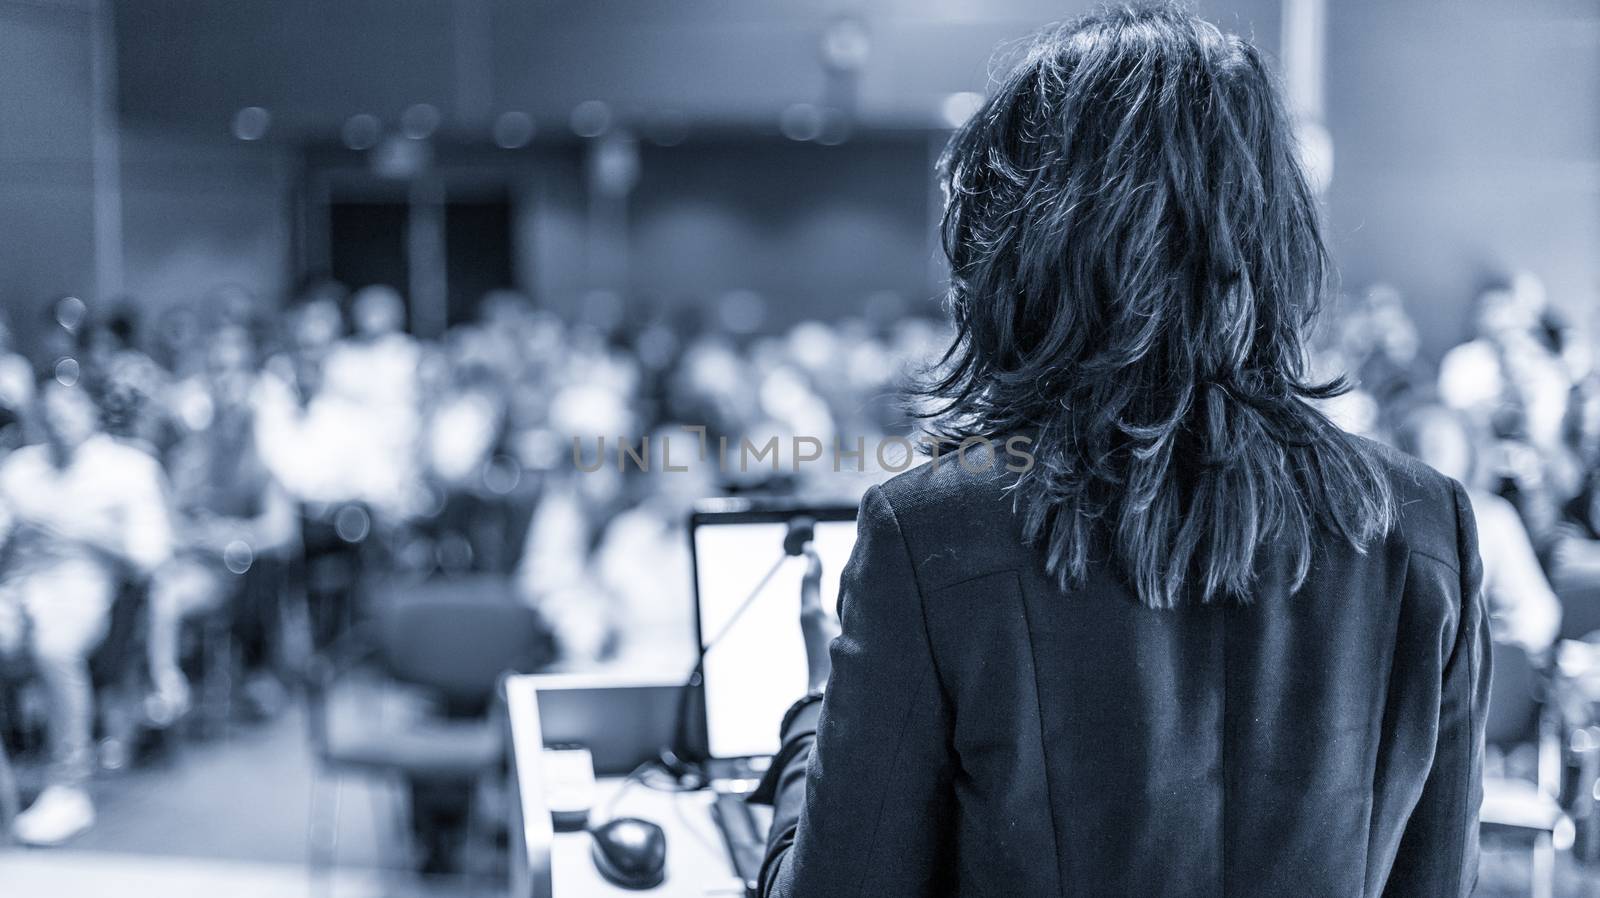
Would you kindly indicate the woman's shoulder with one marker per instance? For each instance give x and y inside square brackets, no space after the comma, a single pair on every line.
[957,516]
[1431,509]
[953,507]
[952,480]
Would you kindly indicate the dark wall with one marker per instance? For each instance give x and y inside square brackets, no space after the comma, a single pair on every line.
[183,213]
[193,63]
[815,230]
[1466,133]
[1467,142]
[46,156]
[201,212]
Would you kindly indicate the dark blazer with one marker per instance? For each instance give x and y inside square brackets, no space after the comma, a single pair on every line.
[986,733]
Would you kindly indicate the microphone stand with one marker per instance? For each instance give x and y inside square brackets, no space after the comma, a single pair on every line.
[802,530]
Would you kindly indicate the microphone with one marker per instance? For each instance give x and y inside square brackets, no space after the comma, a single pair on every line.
[802,530]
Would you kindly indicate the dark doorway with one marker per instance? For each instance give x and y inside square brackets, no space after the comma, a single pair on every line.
[477,243]
[367,244]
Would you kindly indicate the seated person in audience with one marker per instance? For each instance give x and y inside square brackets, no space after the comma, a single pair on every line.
[615,588]
[1379,343]
[642,561]
[371,379]
[313,329]
[553,573]
[232,513]
[1524,610]
[1513,383]
[463,432]
[339,418]
[583,489]
[84,512]
[16,388]
[128,385]
[1582,513]
[1574,556]
[1505,358]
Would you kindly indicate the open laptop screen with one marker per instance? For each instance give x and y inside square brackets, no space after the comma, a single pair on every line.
[757,667]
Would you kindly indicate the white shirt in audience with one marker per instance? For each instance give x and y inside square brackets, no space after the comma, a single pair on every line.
[109,495]
[1524,609]
[358,437]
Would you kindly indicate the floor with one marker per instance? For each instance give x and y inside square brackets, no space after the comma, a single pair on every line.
[242,796]
[229,816]
[1505,873]
[91,874]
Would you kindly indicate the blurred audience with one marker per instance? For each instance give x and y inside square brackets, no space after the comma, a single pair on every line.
[261,476]
[1523,608]
[84,515]
[16,388]
[1511,413]
[232,514]
[218,473]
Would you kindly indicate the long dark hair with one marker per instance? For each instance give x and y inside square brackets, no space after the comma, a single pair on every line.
[1136,260]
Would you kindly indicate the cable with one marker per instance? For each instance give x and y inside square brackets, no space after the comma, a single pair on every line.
[640,776]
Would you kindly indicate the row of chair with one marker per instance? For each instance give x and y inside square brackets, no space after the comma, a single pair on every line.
[1544,810]
[450,642]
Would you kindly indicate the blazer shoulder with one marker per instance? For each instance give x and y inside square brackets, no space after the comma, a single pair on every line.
[1428,505]
[957,517]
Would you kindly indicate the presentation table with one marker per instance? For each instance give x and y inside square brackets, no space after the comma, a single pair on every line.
[697,861]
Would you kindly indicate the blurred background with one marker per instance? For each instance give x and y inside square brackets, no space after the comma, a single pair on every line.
[303,305]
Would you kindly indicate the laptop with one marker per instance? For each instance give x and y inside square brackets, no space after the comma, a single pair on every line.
[747,614]
[623,720]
